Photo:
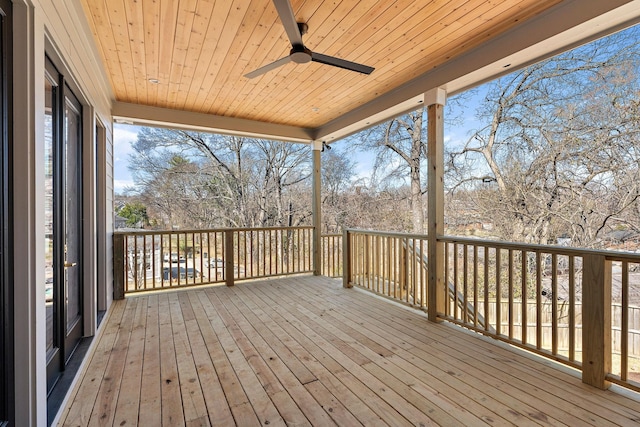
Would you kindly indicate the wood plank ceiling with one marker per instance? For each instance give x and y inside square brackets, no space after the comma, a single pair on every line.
[192,54]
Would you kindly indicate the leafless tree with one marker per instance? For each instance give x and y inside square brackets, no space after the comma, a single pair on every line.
[557,155]
[401,148]
[195,179]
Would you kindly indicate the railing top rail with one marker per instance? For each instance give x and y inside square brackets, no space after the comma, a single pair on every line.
[551,249]
[207,230]
[331,235]
[386,233]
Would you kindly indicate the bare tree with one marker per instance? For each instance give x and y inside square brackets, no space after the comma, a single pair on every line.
[557,155]
[401,149]
[221,180]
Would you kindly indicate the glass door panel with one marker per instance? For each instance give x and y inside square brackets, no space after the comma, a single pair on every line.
[49,292]
[72,224]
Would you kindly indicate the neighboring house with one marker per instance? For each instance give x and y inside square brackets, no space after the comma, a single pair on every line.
[119,222]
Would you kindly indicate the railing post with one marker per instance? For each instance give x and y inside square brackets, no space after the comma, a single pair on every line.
[229,273]
[316,205]
[596,320]
[435,100]
[346,259]
[119,275]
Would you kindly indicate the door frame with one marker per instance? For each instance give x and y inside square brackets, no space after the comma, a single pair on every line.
[64,342]
[7,404]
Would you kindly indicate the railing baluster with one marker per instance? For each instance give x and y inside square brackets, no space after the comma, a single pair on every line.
[523,298]
[455,281]
[423,277]
[447,299]
[465,283]
[391,289]
[538,300]
[510,284]
[498,291]
[624,330]
[554,303]
[572,308]
[475,286]
[485,252]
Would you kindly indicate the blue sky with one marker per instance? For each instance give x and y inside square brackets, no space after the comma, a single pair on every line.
[125,135]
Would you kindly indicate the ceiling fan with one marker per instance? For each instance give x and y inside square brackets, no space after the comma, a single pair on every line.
[299,53]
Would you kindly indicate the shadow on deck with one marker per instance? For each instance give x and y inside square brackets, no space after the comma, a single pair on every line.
[305,351]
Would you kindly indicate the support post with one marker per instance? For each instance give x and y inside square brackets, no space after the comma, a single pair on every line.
[596,320]
[316,208]
[435,100]
[119,273]
[346,259]
[229,270]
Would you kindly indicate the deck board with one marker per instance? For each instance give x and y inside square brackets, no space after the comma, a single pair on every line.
[305,351]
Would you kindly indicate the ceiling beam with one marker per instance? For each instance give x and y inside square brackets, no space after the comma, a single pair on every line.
[569,24]
[144,115]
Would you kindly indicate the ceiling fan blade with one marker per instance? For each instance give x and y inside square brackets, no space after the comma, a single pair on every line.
[342,63]
[260,71]
[285,11]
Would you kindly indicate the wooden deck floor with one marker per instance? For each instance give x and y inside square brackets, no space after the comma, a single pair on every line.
[305,351]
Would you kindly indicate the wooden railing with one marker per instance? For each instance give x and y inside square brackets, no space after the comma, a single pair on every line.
[331,255]
[570,305]
[167,259]
[390,264]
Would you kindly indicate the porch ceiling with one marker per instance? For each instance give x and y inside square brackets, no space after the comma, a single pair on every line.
[198,51]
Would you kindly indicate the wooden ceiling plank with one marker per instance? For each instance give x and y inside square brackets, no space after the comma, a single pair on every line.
[168,22]
[191,82]
[151,20]
[202,78]
[100,25]
[241,50]
[135,25]
[231,26]
[233,85]
[179,62]
[119,27]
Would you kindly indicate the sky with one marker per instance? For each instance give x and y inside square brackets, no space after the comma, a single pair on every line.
[125,135]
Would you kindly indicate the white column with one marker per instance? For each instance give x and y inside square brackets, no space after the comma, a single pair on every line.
[435,100]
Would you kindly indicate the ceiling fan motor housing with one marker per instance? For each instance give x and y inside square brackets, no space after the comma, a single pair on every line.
[300,54]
